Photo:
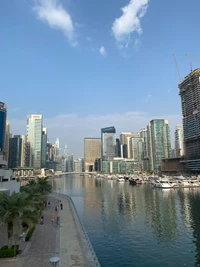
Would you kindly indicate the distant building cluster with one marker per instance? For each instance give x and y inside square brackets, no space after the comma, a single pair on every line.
[150,149]
[132,152]
[33,150]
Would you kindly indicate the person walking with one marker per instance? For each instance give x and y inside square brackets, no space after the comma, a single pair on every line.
[61,206]
[42,219]
[52,218]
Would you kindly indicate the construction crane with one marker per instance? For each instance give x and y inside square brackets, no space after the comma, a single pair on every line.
[197,59]
[177,68]
[188,55]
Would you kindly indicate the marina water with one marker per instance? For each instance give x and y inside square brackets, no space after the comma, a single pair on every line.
[136,225]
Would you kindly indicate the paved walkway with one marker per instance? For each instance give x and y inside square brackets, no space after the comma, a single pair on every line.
[66,240]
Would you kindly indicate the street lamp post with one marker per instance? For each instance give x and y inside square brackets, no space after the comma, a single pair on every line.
[54,261]
[59,193]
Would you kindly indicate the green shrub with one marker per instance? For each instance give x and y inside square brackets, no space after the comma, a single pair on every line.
[29,234]
[6,252]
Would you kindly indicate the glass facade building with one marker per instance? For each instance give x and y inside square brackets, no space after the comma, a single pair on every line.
[92,151]
[44,147]
[3,115]
[15,152]
[190,101]
[34,140]
[108,143]
[159,143]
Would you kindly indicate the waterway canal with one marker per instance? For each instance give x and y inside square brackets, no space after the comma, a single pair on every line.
[136,225]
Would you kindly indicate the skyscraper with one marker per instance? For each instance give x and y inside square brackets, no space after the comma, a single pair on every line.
[159,144]
[44,147]
[136,149]
[15,152]
[143,134]
[118,148]
[108,143]
[34,140]
[190,100]
[92,151]
[125,140]
[7,138]
[179,141]
[3,114]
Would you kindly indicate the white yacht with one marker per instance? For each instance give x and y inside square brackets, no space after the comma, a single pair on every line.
[121,179]
[162,183]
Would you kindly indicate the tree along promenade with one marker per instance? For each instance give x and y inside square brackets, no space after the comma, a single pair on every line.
[65,238]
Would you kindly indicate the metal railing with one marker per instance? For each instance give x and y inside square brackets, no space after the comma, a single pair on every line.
[92,258]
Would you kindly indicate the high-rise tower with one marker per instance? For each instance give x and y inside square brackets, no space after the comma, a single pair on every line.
[3,114]
[44,147]
[190,100]
[108,143]
[159,143]
[34,140]
[92,151]
[179,149]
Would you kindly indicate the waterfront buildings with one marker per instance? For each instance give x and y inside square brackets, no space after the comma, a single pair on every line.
[79,165]
[120,165]
[159,144]
[190,101]
[118,148]
[7,184]
[44,147]
[108,143]
[3,114]
[92,151]
[7,137]
[34,140]
[143,134]
[136,149]
[16,151]
[179,148]
[70,163]
[125,140]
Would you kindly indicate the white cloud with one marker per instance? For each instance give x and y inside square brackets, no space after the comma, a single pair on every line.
[71,128]
[102,51]
[52,12]
[129,21]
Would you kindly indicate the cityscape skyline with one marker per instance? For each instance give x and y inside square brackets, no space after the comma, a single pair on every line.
[52,137]
[130,85]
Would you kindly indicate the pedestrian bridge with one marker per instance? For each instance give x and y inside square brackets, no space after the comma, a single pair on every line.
[67,173]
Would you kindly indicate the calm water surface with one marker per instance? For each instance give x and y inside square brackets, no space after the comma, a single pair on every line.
[136,225]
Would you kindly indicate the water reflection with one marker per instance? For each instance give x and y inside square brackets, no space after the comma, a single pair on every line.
[144,221]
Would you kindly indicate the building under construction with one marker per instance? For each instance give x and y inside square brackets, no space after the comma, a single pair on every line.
[190,99]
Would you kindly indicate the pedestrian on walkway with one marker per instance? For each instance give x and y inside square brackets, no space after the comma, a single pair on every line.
[58,220]
[42,219]
[56,208]
[61,206]
[52,218]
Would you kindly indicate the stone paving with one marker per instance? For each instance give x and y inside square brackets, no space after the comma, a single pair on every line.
[42,245]
[65,240]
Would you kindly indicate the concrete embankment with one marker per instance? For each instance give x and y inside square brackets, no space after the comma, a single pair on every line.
[75,247]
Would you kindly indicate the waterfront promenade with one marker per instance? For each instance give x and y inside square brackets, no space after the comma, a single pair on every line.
[66,240]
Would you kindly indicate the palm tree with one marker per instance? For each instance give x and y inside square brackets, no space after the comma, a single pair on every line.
[13,210]
[35,196]
[44,186]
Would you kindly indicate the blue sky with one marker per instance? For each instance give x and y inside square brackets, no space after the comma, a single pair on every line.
[90,64]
